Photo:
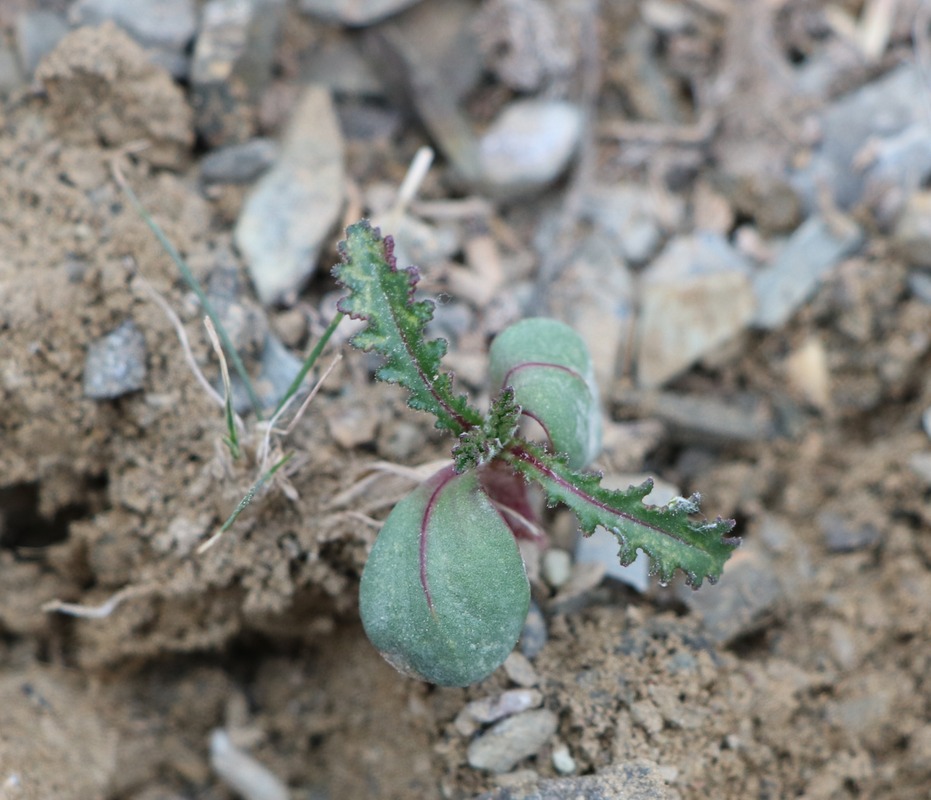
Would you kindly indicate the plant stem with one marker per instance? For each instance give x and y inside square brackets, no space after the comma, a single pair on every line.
[310,360]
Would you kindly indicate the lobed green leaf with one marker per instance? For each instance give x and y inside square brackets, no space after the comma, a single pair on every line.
[383,296]
[665,533]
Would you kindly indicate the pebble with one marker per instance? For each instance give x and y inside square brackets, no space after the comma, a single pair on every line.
[512,740]
[354,12]
[294,206]
[115,363]
[594,295]
[37,34]
[912,235]
[563,762]
[520,671]
[232,66]
[900,165]
[801,265]
[628,214]
[491,709]
[167,25]
[239,163]
[840,536]
[920,464]
[919,283]
[745,598]
[557,567]
[697,295]
[629,780]
[528,146]
[534,636]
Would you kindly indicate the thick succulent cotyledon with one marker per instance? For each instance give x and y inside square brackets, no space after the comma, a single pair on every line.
[444,593]
[549,368]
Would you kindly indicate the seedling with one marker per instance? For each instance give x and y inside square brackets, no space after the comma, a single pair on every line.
[444,593]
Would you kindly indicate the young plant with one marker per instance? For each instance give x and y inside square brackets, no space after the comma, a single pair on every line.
[444,594]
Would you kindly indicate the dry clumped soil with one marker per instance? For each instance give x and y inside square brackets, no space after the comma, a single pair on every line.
[804,673]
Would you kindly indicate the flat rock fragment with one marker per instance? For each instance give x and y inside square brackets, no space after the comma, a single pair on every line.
[528,146]
[697,296]
[804,262]
[37,34]
[294,206]
[629,780]
[512,740]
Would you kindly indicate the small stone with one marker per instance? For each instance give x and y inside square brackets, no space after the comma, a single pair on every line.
[164,24]
[294,206]
[512,740]
[807,257]
[647,716]
[563,762]
[37,34]
[926,421]
[627,212]
[400,441]
[520,671]
[840,536]
[807,371]
[557,567]
[353,427]
[239,163]
[697,295]
[912,234]
[534,636]
[491,709]
[528,146]
[232,66]
[115,364]
[920,464]
[920,285]
[354,12]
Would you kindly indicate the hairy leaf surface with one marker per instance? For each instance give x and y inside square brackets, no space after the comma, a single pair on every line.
[665,533]
[383,296]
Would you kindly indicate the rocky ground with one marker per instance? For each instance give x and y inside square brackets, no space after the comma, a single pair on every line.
[728,200]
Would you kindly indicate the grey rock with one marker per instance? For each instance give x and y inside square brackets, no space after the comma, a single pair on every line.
[278,367]
[803,263]
[745,599]
[697,295]
[627,213]
[840,536]
[115,363]
[528,146]
[11,76]
[563,762]
[37,33]
[534,636]
[706,419]
[491,709]
[920,464]
[520,671]
[630,780]
[912,234]
[512,740]
[900,165]
[239,163]
[339,65]
[354,12]
[557,567]
[919,283]
[232,66]
[294,206]
[164,24]
[878,110]
[594,294]
[244,322]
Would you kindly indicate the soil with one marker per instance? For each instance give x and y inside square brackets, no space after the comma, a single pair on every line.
[824,695]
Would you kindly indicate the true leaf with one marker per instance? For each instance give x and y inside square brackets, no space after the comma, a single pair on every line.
[665,533]
[480,445]
[383,296]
